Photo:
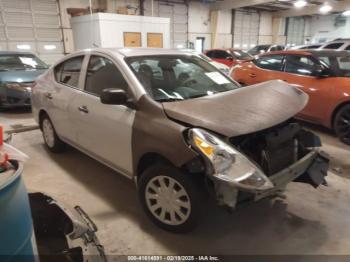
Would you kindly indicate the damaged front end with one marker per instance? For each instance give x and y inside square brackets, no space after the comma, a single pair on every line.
[63,233]
[258,165]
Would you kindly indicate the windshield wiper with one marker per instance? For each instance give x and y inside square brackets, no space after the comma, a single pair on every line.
[169,99]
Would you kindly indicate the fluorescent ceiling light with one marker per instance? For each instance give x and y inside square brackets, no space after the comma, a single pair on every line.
[346,13]
[50,47]
[300,3]
[23,47]
[325,8]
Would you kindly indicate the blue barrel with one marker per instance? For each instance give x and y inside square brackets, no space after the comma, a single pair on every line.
[17,239]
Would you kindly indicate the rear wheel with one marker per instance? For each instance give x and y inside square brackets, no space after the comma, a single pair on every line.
[170,198]
[52,141]
[342,124]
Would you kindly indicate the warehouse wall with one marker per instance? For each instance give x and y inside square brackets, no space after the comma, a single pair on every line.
[329,27]
[196,23]
[199,23]
[224,30]
[265,28]
[65,19]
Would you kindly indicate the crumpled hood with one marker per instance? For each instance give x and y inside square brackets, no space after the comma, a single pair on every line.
[241,111]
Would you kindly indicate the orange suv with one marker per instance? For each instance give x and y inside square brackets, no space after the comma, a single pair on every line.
[323,74]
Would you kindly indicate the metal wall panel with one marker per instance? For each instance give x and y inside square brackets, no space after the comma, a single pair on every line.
[31,25]
[178,14]
[2,33]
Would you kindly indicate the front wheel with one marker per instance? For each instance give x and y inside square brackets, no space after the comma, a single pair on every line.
[170,198]
[342,124]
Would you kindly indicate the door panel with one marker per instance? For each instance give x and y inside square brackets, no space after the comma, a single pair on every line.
[319,91]
[299,71]
[104,131]
[59,111]
[67,76]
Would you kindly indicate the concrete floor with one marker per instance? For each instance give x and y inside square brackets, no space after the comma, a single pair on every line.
[308,221]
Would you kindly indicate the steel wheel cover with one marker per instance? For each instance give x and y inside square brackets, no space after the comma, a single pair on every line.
[167,200]
[48,133]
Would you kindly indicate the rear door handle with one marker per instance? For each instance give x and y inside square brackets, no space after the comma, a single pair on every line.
[48,95]
[252,75]
[83,109]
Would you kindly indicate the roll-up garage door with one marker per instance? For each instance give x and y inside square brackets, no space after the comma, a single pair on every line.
[246,29]
[178,14]
[31,25]
[295,31]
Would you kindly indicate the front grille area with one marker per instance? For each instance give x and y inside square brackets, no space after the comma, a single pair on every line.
[13,100]
[272,149]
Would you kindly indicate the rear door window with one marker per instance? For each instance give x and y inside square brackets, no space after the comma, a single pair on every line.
[270,62]
[220,54]
[68,72]
[333,46]
[276,48]
[210,54]
[101,74]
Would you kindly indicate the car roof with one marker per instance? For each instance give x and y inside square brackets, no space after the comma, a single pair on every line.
[147,51]
[224,49]
[16,53]
[326,52]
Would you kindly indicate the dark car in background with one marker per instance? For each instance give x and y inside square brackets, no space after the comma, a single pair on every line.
[18,71]
[229,56]
[260,49]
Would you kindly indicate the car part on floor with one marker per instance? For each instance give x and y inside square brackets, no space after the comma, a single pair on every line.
[64,233]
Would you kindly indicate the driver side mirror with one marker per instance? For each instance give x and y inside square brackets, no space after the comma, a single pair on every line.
[113,96]
[319,71]
[229,58]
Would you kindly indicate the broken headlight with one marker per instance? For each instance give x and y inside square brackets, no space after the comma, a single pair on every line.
[228,164]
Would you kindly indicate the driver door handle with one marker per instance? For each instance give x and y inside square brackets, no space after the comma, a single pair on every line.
[83,109]
[252,75]
[48,96]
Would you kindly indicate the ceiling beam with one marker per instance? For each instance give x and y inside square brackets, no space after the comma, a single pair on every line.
[313,10]
[234,4]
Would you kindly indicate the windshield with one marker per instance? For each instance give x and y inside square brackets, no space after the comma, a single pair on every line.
[338,64]
[206,58]
[172,78]
[241,55]
[20,62]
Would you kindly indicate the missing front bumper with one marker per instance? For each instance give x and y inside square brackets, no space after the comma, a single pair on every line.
[311,169]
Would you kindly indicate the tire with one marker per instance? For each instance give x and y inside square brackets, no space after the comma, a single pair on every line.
[52,141]
[170,215]
[342,124]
